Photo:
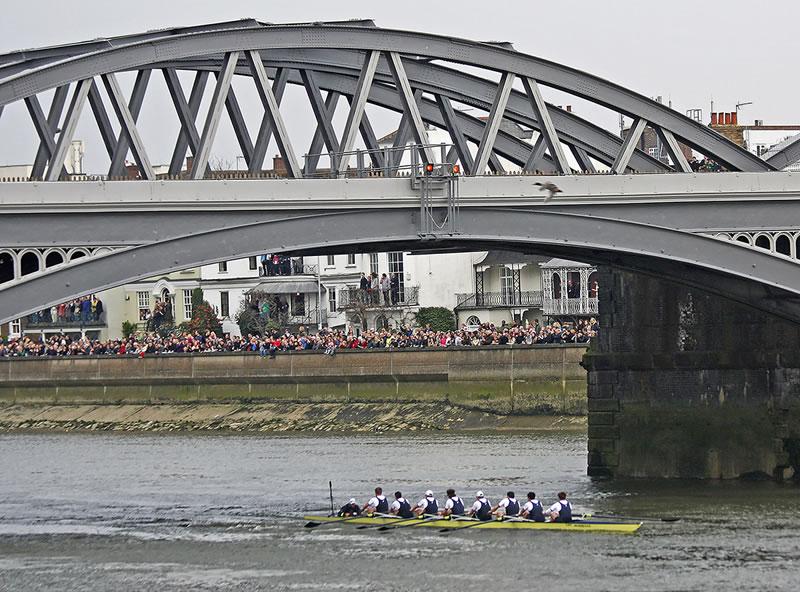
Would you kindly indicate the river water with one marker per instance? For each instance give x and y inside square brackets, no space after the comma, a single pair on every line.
[222,512]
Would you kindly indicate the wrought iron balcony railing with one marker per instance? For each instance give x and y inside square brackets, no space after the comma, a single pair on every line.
[570,306]
[498,299]
[357,298]
[286,268]
[43,320]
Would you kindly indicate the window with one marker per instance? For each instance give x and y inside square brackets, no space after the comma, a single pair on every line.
[299,305]
[373,263]
[396,268]
[506,285]
[224,304]
[143,304]
[16,327]
[332,299]
[556,286]
[253,263]
[187,304]
[331,260]
[573,284]
[593,285]
[223,266]
[351,259]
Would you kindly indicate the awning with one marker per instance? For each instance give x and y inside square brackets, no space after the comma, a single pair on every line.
[279,287]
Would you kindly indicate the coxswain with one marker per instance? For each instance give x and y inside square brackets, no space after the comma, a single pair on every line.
[454,506]
[561,511]
[532,509]
[481,509]
[427,505]
[350,509]
[508,506]
[400,506]
[377,504]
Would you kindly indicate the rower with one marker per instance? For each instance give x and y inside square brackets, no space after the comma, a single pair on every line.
[400,506]
[454,506]
[561,511]
[427,505]
[481,509]
[377,504]
[350,509]
[532,510]
[508,506]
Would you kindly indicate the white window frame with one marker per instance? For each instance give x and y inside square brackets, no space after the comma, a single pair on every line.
[223,267]
[351,258]
[506,284]
[187,305]
[331,261]
[225,303]
[332,299]
[373,263]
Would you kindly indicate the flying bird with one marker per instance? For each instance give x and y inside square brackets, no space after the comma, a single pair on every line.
[550,187]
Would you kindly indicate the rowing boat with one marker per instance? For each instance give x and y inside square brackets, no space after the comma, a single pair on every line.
[575,526]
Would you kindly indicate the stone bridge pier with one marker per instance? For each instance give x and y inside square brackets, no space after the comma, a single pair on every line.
[686,384]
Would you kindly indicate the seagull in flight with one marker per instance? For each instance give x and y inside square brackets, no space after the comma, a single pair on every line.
[550,187]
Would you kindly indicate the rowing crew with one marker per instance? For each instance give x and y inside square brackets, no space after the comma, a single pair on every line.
[482,509]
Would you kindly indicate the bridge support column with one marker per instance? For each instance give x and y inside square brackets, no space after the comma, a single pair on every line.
[685,384]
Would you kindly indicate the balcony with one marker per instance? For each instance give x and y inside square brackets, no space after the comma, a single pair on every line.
[43,320]
[532,298]
[570,306]
[287,267]
[306,318]
[352,298]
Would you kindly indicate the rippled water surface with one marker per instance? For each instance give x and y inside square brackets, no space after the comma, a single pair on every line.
[195,512]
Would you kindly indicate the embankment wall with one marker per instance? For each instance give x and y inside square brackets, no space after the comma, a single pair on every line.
[518,380]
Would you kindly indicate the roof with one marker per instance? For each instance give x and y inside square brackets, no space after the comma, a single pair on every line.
[509,257]
[556,263]
[272,287]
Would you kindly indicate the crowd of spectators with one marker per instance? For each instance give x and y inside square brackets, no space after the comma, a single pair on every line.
[83,310]
[327,341]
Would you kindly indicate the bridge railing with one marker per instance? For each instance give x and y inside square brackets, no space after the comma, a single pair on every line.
[388,161]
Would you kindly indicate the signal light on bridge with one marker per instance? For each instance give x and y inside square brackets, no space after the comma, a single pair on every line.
[456,169]
[428,168]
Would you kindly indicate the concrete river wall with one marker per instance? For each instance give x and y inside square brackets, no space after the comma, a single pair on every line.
[438,388]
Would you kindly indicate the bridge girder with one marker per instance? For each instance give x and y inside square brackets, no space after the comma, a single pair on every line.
[749,275]
[24,75]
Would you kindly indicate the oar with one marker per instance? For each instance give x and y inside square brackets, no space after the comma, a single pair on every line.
[314,524]
[634,518]
[419,520]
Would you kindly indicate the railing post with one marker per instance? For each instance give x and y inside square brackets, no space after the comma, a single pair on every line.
[443,154]
[414,159]
[387,165]
[360,162]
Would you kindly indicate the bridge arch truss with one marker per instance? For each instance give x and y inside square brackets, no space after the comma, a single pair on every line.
[420,76]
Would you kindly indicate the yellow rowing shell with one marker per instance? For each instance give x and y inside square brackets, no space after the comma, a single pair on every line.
[577,526]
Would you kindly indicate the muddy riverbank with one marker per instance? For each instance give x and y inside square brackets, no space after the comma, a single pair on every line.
[271,417]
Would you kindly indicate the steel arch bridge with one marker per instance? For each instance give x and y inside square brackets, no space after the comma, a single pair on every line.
[657,223]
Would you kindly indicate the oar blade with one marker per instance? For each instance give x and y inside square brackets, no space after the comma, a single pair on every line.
[312,524]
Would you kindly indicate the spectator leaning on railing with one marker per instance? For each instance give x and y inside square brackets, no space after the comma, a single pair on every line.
[327,341]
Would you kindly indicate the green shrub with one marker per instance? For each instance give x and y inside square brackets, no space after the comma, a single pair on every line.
[128,329]
[438,317]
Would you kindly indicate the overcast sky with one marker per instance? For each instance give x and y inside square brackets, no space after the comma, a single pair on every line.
[687,51]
